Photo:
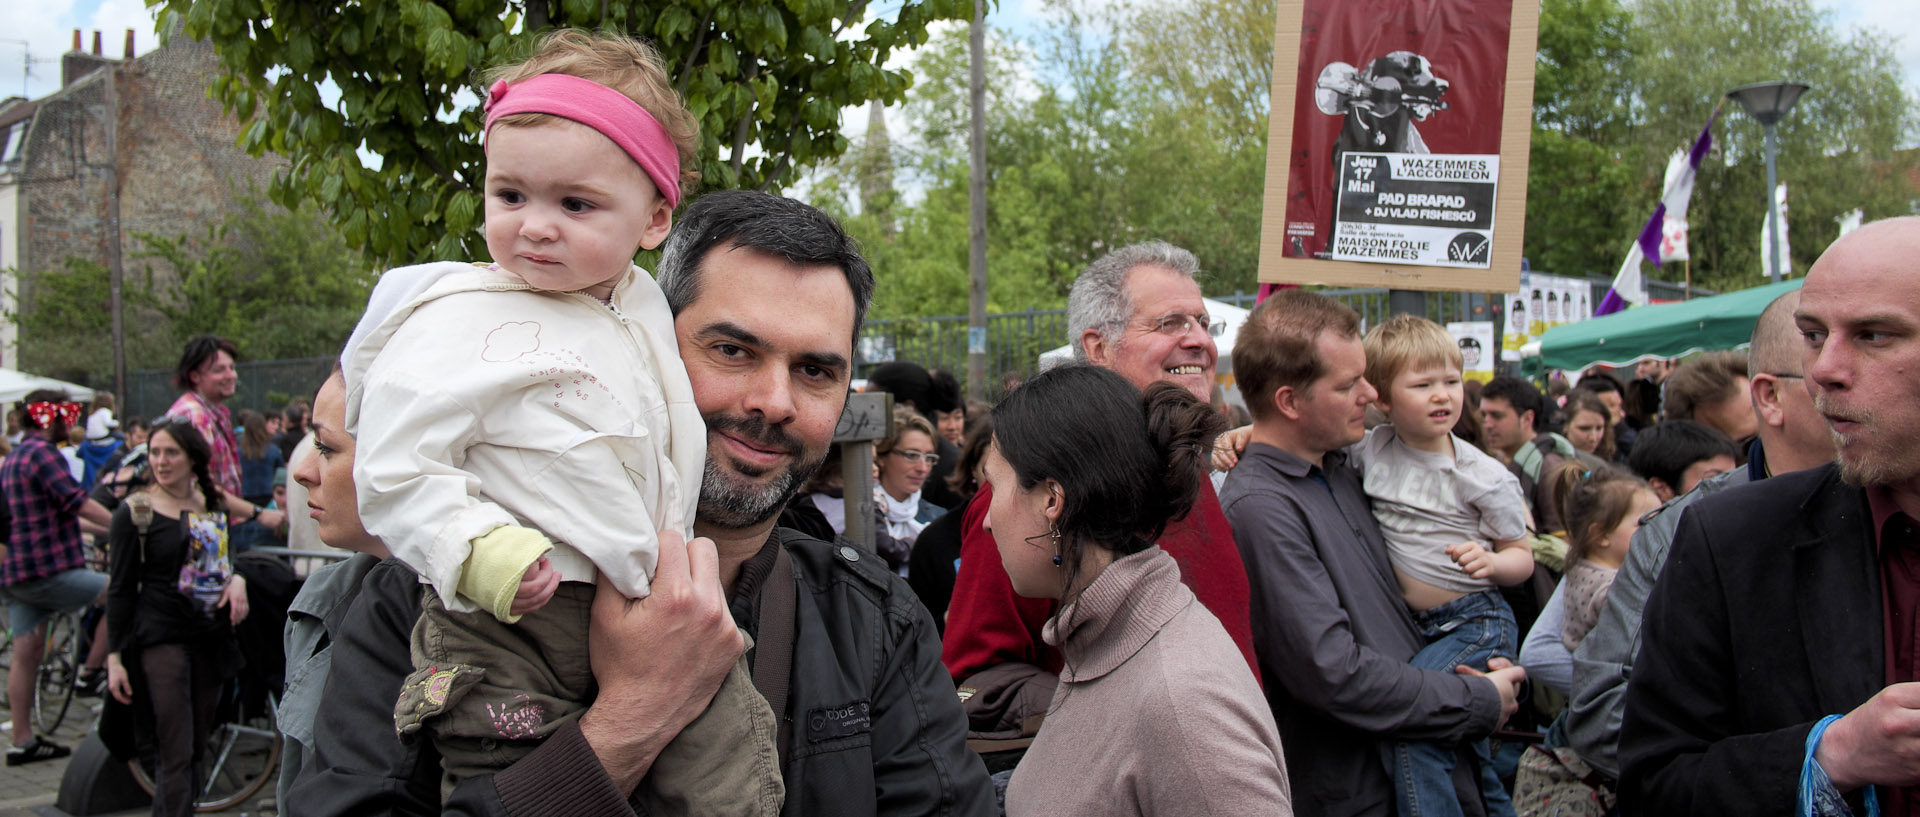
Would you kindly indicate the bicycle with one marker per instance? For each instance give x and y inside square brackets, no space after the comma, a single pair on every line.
[243,753]
[59,669]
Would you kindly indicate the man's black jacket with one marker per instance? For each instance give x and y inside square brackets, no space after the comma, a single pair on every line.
[877,727]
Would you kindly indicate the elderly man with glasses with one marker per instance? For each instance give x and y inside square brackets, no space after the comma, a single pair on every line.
[1137,311]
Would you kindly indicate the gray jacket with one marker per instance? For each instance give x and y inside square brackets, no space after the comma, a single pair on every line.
[1333,636]
[1604,661]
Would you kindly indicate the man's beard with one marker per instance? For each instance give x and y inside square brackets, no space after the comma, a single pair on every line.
[1868,462]
[731,498]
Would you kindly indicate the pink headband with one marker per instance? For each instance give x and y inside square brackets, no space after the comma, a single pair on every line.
[602,109]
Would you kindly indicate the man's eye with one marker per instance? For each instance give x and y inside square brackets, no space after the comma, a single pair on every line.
[729,350]
[1814,337]
[814,373]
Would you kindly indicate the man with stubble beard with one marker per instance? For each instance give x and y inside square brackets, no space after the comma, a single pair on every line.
[768,295]
[1779,659]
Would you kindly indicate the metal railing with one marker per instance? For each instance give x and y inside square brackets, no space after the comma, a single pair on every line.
[1015,341]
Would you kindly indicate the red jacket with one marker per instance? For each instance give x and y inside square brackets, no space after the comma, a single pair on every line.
[988,625]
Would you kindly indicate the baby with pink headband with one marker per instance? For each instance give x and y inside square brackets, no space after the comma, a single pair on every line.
[525,427]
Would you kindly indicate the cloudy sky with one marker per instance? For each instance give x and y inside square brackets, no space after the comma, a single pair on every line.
[33,33]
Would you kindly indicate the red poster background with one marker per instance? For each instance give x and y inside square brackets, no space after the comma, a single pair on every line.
[1465,43]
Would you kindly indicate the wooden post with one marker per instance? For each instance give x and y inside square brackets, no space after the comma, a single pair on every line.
[867,419]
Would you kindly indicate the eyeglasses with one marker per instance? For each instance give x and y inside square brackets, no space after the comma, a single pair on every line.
[916,457]
[1177,324]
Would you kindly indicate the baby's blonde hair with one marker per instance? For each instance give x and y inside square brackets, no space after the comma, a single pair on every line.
[1403,342]
[619,62]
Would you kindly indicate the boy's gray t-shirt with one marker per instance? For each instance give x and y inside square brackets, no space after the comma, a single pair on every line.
[1426,501]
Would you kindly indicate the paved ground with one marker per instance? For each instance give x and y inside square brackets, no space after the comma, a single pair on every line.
[30,790]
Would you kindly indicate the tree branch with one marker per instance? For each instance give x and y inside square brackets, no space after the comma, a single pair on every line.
[693,54]
[740,128]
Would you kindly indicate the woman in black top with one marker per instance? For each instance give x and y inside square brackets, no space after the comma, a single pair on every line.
[171,602]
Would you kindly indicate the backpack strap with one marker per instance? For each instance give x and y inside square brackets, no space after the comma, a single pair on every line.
[141,506]
[773,651]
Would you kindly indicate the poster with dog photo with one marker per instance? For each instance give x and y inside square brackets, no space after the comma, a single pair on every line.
[1398,142]
[1414,92]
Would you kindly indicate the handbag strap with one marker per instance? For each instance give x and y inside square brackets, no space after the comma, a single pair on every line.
[773,652]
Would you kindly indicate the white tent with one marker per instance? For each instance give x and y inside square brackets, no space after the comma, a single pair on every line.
[15,385]
[1233,315]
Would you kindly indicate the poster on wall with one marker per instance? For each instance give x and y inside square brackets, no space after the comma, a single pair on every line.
[1397,149]
[1476,348]
[1519,329]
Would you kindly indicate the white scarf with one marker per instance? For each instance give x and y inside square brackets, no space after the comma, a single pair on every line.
[901,524]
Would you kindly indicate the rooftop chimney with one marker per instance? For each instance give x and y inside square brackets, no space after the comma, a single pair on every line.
[76,39]
[96,43]
[129,52]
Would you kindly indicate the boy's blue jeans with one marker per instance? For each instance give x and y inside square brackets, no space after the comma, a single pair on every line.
[1469,630]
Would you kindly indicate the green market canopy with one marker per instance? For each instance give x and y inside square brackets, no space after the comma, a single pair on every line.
[1662,330]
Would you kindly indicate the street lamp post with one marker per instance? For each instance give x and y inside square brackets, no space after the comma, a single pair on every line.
[1769,102]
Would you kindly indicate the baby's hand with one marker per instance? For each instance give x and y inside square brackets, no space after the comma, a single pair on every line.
[536,587]
[1477,561]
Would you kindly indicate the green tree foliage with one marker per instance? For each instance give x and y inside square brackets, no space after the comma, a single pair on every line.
[1111,127]
[283,284]
[767,80]
[1622,86]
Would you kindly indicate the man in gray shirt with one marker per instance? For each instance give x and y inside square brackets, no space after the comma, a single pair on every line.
[1792,437]
[1331,633]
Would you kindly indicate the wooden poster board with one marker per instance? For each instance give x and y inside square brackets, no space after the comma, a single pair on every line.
[1509,215]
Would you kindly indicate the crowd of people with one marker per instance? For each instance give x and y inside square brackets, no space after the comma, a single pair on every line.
[598,566]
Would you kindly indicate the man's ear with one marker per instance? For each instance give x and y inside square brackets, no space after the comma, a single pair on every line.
[1661,489]
[1286,400]
[1765,392]
[1099,350]
[1530,421]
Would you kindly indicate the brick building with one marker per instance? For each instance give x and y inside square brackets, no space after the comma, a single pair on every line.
[174,158]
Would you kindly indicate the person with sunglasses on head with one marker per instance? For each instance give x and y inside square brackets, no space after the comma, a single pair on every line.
[44,570]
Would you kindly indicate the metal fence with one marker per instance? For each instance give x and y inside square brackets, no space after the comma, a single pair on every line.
[265,386]
[1015,342]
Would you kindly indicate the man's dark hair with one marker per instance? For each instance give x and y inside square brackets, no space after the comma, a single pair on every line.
[770,224]
[1601,383]
[1667,450]
[200,349]
[907,382]
[1520,394]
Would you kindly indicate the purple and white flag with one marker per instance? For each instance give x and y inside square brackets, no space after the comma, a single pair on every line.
[1629,286]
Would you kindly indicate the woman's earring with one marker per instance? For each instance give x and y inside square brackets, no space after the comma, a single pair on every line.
[1055,533]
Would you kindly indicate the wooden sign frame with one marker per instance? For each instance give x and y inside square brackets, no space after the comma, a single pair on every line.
[1502,274]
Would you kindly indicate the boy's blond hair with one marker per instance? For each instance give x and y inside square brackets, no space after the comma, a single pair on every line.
[1406,341]
[619,62]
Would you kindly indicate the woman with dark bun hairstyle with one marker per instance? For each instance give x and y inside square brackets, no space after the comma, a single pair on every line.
[1156,712]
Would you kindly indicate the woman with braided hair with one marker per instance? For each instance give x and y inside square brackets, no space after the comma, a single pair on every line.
[172,602]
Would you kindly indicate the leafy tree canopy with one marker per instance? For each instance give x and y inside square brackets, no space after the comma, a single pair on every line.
[766,79]
[1621,86]
[283,284]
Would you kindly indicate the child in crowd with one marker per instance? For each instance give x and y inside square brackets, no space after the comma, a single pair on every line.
[1603,507]
[525,427]
[1436,498]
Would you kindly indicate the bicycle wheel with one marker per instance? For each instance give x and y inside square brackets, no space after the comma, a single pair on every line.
[241,758]
[59,667]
